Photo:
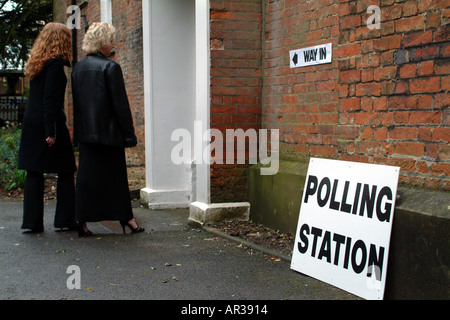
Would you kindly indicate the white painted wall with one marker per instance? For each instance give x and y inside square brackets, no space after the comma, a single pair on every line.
[171,58]
[177,66]
[106,11]
[202,179]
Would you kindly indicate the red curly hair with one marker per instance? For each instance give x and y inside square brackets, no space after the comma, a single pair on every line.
[54,41]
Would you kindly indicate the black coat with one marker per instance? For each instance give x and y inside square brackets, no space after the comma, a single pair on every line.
[45,117]
[102,112]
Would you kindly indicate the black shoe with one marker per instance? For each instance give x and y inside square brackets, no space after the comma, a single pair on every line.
[74,227]
[84,234]
[34,231]
[126,224]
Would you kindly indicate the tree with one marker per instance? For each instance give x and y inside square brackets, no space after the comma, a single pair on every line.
[22,20]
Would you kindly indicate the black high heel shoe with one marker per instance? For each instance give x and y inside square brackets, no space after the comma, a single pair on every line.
[126,224]
[84,234]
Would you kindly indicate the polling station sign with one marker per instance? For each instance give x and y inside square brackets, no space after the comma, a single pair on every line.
[345,225]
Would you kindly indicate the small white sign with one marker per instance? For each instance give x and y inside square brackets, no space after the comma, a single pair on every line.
[311,56]
[345,225]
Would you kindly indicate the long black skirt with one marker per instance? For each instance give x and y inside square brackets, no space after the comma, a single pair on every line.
[102,191]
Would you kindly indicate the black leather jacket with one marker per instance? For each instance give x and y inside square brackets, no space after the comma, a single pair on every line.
[101,109]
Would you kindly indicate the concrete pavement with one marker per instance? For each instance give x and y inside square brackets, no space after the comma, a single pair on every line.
[167,262]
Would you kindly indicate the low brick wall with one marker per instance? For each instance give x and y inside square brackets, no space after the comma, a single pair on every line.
[419,258]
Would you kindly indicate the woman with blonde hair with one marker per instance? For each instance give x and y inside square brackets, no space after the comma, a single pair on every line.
[104,128]
[45,143]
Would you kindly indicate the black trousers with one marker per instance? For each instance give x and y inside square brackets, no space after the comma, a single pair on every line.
[33,209]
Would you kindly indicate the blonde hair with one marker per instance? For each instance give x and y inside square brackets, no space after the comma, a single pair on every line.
[98,36]
[54,41]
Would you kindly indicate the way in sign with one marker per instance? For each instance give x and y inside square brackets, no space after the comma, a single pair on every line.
[311,56]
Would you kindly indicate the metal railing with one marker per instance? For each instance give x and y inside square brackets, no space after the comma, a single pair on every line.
[12,109]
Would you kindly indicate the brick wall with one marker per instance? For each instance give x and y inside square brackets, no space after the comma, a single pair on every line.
[303,102]
[384,98]
[127,19]
[236,84]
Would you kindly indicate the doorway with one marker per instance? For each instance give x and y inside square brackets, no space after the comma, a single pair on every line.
[176,75]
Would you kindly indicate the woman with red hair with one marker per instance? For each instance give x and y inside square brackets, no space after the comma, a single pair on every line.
[45,144]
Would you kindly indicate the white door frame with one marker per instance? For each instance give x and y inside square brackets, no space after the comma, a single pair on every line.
[199,189]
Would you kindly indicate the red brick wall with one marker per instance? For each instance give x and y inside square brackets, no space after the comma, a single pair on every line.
[384,98]
[303,102]
[236,84]
[127,19]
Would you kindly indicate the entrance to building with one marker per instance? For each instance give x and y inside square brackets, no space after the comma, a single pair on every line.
[176,73]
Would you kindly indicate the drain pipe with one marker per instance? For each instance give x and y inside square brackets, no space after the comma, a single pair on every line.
[74,42]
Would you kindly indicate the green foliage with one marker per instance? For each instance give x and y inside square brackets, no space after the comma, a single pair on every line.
[22,21]
[10,177]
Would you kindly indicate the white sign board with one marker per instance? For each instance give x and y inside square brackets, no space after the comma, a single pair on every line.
[311,56]
[345,224]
